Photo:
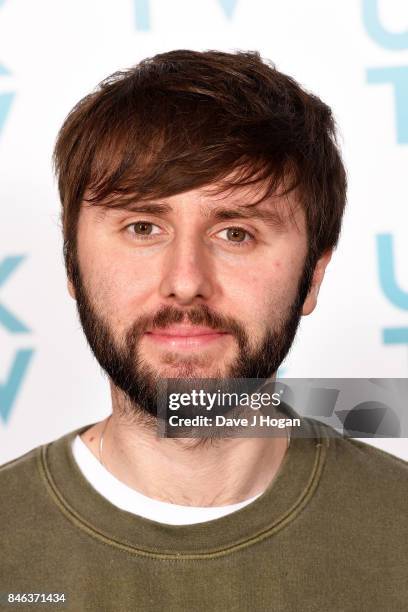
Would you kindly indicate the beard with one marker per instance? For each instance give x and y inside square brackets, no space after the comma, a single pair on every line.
[141,383]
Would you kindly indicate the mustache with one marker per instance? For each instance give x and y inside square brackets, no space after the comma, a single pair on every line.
[199,315]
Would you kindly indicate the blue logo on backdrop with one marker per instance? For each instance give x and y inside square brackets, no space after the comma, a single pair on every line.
[13,325]
[397,76]
[394,41]
[6,98]
[8,321]
[389,284]
[142,12]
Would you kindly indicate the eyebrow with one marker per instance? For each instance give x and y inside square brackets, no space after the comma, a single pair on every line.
[270,216]
[220,213]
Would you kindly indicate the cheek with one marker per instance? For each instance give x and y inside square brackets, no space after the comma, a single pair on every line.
[115,278]
[247,290]
[263,294]
[119,287]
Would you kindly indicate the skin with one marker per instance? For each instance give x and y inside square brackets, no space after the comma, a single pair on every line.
[189,259]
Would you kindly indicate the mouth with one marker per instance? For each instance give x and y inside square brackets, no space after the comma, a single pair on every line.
[185,336]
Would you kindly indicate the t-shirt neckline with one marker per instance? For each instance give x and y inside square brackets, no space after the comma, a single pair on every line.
[135,502]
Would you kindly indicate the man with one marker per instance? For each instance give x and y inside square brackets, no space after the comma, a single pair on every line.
[202,196]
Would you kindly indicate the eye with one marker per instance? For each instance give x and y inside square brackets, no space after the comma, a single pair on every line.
[143,229]
[237,236]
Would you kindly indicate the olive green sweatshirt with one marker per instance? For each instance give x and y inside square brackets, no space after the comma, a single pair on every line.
[329,534]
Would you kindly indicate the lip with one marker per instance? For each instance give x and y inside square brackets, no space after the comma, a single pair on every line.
[185,336]
[185,330]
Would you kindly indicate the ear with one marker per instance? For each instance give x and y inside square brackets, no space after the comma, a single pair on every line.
[71,289]
[311,300]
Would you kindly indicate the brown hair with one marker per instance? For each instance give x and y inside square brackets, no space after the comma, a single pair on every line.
[185,119]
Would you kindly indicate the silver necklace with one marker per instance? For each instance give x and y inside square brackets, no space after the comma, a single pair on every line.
[101,442]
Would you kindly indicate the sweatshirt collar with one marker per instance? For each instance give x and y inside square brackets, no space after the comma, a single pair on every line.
[290,491]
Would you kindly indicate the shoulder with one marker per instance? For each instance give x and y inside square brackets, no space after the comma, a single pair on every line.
[21,488]
[20,469]
[371,479]
[370,460]
[23,481]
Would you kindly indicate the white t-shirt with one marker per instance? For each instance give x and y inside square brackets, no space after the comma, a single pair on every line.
[126,498]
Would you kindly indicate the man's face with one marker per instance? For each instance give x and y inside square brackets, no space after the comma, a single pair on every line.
[194,286]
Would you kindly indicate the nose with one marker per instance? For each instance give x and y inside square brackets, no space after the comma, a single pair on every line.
[187,274]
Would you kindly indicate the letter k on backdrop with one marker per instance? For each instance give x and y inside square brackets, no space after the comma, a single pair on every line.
[10,385]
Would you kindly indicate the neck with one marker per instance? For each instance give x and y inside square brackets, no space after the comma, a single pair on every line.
[181,470]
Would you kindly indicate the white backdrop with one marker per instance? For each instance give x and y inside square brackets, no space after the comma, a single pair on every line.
[352,53]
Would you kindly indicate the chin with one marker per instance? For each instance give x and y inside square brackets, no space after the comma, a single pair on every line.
[188,371]
[172,365]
